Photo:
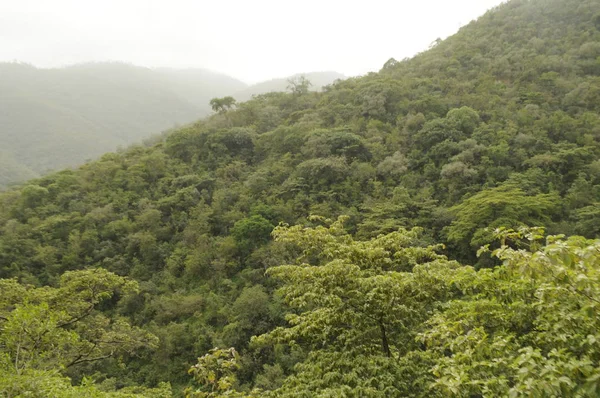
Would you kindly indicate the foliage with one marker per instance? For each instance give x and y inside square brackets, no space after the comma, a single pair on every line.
[527,328]
[45,330]
[299,85]
[48,384]
[357,302]
[214,372]
[318,80]
[505,206]
[495,127]
[222,105]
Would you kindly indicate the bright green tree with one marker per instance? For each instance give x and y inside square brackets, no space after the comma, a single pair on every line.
[526,328]
[59,329]
[357,306]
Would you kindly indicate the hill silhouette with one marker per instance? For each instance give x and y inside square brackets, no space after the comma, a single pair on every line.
[56,118]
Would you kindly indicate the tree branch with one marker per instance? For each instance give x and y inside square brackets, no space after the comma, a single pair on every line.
[82,360]
[78,318]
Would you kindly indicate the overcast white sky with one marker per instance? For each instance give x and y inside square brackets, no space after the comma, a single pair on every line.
[252,40]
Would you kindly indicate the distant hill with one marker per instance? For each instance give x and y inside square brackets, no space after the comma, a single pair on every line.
[317,79]
[199,86]
[55,118]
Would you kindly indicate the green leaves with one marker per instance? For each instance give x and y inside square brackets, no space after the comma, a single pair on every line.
[215,373]
[530,323]
[59,328]
[495,128]
[252,232]
[505,206]
[361,299]
[222,105]
[525,328]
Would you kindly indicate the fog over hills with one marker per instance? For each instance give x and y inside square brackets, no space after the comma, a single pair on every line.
[56,118]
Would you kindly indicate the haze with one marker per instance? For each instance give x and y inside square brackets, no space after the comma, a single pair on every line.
[250,40]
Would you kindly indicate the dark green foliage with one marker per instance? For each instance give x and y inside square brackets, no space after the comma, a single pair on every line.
[505,206]
[222,104]
[251,233]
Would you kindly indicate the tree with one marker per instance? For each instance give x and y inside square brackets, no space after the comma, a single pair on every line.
[251,233]
[507,205]
[61,328]
[49,384]
[390,63]
[214,373]
[222,105]
[299,85]
[526,328]
[356,308]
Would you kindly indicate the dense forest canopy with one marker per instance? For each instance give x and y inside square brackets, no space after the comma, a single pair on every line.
[428,230]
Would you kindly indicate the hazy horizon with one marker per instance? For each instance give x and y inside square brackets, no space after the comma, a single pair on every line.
[251,42]
[164,68]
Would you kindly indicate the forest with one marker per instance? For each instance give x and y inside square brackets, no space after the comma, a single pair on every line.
[429,230]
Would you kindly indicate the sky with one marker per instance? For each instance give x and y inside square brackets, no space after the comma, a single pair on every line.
[252,40]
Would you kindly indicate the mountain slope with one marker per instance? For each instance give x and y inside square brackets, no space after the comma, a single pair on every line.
[55,118]
[496,127]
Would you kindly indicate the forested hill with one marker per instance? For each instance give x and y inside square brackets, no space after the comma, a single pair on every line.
[133,268]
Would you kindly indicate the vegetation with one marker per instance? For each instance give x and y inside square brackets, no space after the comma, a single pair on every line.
[427,274]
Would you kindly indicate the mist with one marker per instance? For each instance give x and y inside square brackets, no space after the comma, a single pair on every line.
[252,41]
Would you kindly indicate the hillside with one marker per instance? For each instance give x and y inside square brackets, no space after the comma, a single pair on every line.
[317,79]
[55,118]
[380,238]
